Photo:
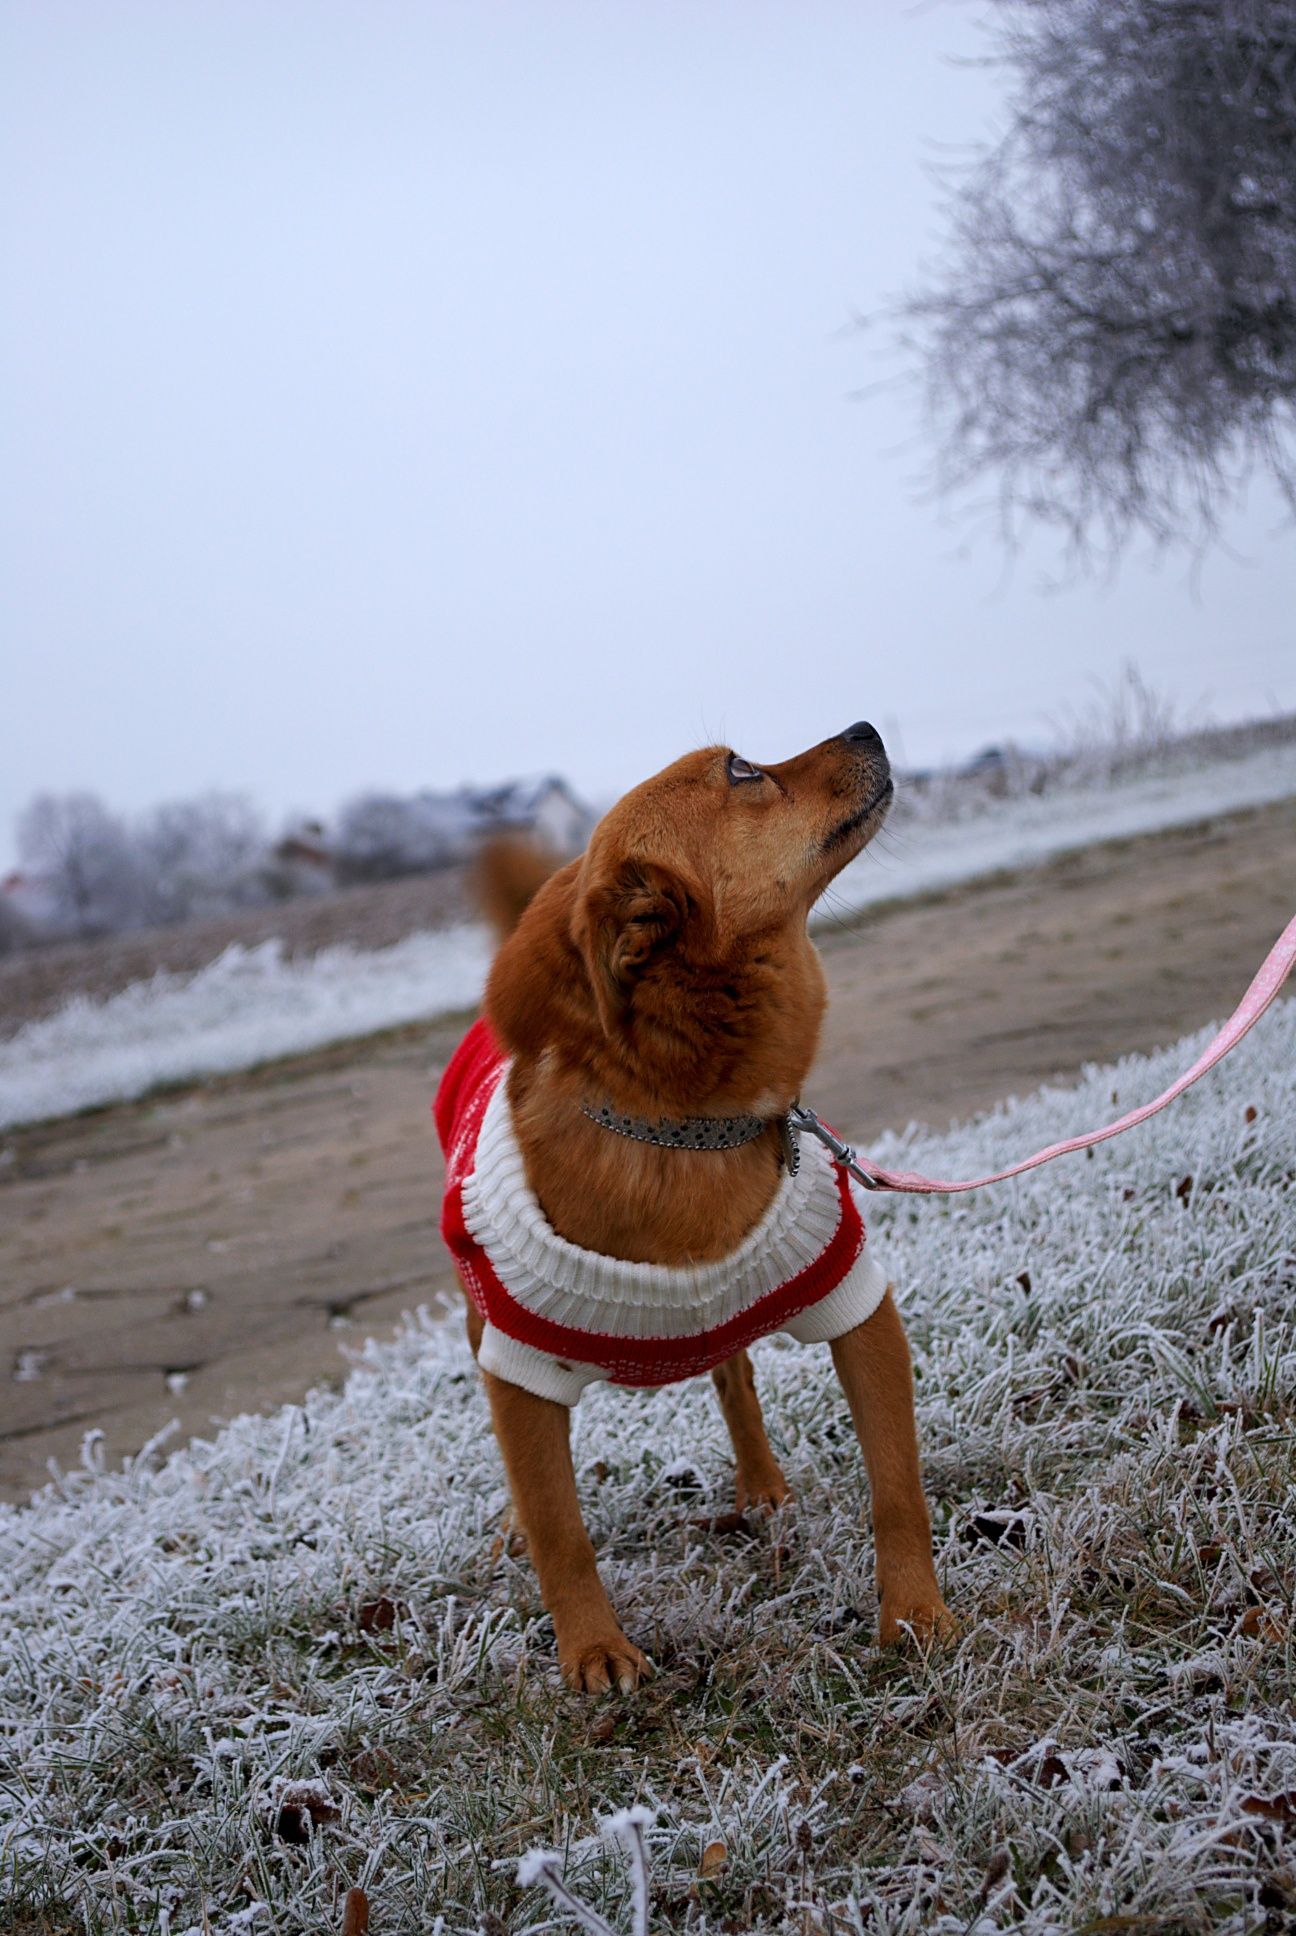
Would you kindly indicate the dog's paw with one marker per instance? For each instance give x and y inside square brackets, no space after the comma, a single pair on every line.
[762,1492]
[921,1617]
[510,1540]
[602,1666]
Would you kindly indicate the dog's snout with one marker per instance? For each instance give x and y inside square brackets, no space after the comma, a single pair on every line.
[862,733]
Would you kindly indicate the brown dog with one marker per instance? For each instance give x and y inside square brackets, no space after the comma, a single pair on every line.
[666,978]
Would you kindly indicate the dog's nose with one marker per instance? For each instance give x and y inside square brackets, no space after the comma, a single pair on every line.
[862,733]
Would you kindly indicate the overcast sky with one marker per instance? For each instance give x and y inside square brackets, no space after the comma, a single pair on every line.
[405,393]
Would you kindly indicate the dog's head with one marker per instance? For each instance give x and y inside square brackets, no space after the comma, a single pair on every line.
[670,966]
[717,854]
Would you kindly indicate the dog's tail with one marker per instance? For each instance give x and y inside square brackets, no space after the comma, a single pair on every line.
[506,875]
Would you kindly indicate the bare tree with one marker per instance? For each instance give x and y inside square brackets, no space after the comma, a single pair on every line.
[201,856]
[383,835]
[1111,344]
[85,858]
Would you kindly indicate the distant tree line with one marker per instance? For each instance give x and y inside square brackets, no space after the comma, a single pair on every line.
[85,871]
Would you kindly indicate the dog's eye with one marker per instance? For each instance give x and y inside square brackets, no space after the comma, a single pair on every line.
[741,769]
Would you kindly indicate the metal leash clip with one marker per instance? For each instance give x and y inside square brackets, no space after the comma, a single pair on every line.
[800,1119]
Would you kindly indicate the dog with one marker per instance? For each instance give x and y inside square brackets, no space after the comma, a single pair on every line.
[624,1199]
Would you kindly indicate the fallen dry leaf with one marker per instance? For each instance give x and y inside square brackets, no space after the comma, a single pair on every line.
[302,1807]
[1047,1770]
[1257,1623]
[996,1869]
[380,1615]
[725,1523]
[714,1857]
[1000,1527]
[1272,1808]
[355,1913]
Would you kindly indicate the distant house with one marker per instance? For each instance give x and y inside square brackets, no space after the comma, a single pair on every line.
[299,864]
[451,825]
[380,836]
[544,806]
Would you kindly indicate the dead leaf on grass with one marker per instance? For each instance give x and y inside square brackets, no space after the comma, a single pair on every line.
[714,1857]
[373,1770]
[1000,1526]
[1257,1623]
[1046,1770]
[1271,1808]
[355,1913]
[996,1869]
[303,1806]
[725,1524]
[380,1615]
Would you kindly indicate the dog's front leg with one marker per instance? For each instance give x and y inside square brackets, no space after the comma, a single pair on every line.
[535,1438]
[760,1478]
[874,1367]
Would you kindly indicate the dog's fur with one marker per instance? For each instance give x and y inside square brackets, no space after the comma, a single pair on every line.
[669,972]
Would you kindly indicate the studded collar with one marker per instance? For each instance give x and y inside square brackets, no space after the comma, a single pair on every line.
[679,1132]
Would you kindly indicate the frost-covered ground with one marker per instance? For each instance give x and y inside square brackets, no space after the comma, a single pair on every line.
[254,1004]
[915,855]
[1107,1359]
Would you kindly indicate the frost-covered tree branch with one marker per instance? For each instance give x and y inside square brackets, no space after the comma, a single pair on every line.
[1111,345]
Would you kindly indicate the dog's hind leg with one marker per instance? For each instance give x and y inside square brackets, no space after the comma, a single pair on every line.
[509,1539]
[534,1437]
[876,1373]
[760,1481]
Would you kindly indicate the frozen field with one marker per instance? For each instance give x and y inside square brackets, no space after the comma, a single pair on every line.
[1107,1356]
[254,1004]
[919,857]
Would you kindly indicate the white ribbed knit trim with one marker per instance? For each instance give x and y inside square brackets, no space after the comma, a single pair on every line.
[521,1364]
[856,1298]
[589,1292]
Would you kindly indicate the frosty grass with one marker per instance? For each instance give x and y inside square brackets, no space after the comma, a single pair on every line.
[238,1680]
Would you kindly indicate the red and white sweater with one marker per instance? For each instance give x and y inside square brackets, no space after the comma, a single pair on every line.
[558,1317]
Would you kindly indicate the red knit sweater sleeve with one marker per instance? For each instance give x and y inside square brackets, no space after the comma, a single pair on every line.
[477,1058]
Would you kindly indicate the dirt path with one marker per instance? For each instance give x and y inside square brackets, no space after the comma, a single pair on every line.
[210,1252]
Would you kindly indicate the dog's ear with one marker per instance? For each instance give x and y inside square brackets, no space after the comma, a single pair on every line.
[621,921]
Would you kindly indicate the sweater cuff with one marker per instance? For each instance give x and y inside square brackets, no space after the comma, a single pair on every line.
[535,1371]
[855,1299]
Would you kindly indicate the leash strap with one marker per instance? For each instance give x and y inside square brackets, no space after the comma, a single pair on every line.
[1274,970]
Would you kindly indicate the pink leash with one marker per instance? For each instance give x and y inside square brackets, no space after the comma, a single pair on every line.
[1274,970]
